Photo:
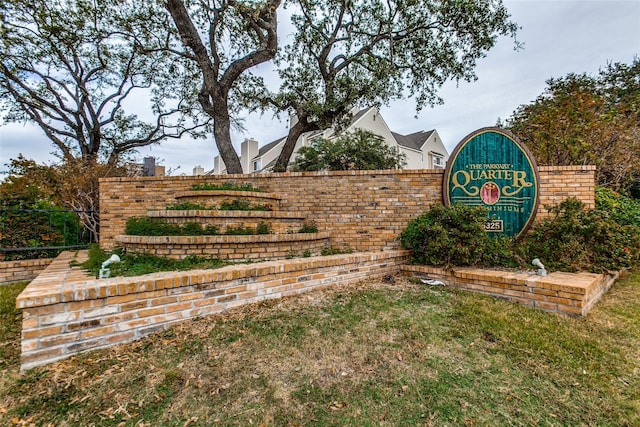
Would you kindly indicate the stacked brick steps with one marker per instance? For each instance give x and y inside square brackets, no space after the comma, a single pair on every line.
[283,240]
[216,197]
[252,247]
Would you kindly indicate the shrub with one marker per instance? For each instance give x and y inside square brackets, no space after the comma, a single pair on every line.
[575,238]
[226,186]
[145,226]
[240,230]
[241,205]
[447,236]
[353,150]
[332,250]
[621,209]
[308,227]
[263,228]
[187,206]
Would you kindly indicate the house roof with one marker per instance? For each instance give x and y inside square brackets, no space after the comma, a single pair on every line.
[414,140]
[266,148]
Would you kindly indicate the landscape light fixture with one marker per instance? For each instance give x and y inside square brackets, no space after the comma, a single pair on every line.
[104,271]
[541,272]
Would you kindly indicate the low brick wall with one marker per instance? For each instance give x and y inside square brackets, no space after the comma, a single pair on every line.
[257,246]
[65,312]
[22,270]
[562,293]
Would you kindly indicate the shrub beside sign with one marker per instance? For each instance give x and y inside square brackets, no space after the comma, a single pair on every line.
[491,168]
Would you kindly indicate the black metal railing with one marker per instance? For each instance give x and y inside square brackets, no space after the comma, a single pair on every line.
[41,233]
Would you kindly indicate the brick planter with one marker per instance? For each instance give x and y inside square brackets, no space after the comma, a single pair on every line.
[563,293]
[259,246]
[65,312]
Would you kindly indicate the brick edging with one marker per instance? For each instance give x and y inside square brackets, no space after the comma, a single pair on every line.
[572,294]
[81,315]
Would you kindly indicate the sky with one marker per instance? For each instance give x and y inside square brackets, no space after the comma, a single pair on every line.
[559,37]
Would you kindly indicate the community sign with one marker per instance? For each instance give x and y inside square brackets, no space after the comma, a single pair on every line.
[491,168]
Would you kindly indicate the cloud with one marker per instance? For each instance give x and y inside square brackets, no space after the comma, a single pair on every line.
[559,37]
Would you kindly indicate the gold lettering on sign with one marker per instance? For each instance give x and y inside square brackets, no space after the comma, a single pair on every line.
[464,179]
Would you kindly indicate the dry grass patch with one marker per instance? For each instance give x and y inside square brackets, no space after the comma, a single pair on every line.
[376,354]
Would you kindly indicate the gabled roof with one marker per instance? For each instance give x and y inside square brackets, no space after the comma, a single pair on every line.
[414,140]
[266,148]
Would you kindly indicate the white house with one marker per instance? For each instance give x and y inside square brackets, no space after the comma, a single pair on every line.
[423,150]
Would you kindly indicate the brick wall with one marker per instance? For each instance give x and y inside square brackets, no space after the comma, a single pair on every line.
[65,312]
[235,248]
[572,294]
[365,210]
[22,270]
[558,183]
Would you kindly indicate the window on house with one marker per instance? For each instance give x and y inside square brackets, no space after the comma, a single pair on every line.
[438,162]
[257,165]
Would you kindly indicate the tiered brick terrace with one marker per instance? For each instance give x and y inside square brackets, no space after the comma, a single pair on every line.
[282,241]
[66,312]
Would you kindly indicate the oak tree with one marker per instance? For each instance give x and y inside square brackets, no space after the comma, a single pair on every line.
[91,76]
[348,53]
[225,38]
[581,119]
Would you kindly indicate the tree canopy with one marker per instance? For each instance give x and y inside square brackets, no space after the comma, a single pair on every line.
[90,75]
[225,38]
[347,54]
[357,150]
[581,119]
[76,67]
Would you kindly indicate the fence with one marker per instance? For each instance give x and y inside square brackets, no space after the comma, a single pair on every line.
[41,233]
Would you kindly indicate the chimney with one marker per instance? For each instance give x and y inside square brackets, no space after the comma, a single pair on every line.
[149,166]
[248,150]
[218,165]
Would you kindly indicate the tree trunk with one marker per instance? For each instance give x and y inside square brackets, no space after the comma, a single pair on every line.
[222,134]
[295,132]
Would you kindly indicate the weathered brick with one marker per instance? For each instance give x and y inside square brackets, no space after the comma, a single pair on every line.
[41,332]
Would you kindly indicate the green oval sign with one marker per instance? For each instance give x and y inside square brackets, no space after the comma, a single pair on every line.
[491,168]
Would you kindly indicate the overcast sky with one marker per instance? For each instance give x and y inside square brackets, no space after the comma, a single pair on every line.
[559,37]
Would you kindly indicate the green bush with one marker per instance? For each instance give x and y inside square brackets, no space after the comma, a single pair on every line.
[187,206]
[308,227]
[448,236]
[333,250]
[621,209]
[575,238]
[572,239]
[145,226]
[358,150]
[263,228]
[241,205]
[239,230]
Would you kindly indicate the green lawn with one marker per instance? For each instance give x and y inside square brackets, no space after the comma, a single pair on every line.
[391,354]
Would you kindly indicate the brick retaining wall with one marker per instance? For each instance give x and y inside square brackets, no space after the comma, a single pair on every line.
[572,294]
[365,210]
[22,270]
[65,312]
